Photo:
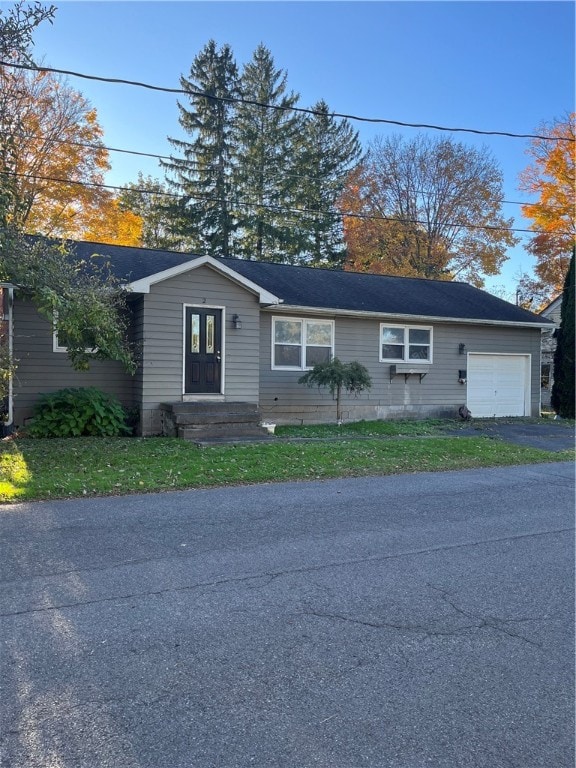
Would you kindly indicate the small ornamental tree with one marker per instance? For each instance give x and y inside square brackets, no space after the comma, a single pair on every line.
[563,390]
[337,376]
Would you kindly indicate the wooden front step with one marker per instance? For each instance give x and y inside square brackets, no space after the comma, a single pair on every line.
[199,421]
[212,406]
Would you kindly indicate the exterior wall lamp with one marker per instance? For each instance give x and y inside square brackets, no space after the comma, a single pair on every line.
[461,349]
[236,322]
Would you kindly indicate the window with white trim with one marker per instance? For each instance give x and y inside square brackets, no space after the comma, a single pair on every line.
[60,342]
[299,344]
[405,343]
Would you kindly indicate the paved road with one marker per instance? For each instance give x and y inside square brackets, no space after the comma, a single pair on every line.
[400,622]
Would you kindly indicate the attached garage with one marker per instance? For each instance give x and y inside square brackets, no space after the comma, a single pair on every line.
[498,385]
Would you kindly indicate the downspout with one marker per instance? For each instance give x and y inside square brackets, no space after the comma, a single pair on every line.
[7,317]
[11,352]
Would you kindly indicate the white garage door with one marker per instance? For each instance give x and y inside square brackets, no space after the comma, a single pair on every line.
[498,385]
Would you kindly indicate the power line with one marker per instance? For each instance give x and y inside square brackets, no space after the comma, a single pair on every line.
[302,110]
[152,155]
[275,208]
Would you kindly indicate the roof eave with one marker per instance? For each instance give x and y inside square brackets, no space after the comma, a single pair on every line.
[295,308]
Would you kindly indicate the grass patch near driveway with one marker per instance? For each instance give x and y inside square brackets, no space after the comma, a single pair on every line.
[370,429]
[80,467]
[409,428]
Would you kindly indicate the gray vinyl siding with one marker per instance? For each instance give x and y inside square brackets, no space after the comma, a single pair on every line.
[161,332]
[283,400]
[158,330]
[39,369]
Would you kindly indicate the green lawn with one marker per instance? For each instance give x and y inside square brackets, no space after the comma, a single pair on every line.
[372,429]
[41,469]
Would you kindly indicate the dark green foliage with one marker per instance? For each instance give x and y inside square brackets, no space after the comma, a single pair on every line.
[265,174]
[329,150]
[74,412]
[258,180]
[352,377]
[203,219]
[563,389]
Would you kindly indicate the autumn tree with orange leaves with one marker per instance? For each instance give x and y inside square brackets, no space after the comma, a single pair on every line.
[54,159]
[551,176]
[428,208]
[81,300]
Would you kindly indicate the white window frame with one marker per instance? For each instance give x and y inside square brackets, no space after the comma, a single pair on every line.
[303,323]
[406,358]
[57,347]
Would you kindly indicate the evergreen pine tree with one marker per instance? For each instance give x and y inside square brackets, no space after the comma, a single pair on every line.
[329,150]
[202,174]
[563,390]
[264,177]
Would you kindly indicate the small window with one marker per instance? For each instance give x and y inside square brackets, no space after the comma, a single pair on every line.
[545,376]
[194,334]
[301,344]
[60,342]
[405,343]
[210,334]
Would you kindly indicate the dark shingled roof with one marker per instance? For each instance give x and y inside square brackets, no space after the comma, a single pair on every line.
[129,263]
[329,289]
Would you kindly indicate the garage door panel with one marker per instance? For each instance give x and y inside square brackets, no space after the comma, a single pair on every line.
[497,385]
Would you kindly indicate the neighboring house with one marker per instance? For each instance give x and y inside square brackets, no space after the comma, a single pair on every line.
[245,331]
[550,312]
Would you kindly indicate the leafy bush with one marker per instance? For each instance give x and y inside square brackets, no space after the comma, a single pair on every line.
[353,377]
[78,411]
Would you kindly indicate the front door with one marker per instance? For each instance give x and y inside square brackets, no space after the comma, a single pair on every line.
[202,353]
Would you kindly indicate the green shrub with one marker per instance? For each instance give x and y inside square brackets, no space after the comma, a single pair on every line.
[78,411]
[352,377]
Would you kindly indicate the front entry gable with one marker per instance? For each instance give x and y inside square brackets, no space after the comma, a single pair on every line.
[198,335]
[144,284]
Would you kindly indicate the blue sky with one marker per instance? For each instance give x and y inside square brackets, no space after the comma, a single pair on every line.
[485,65]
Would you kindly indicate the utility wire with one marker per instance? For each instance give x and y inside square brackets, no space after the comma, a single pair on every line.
[152,155]
[275,208]
[303,110]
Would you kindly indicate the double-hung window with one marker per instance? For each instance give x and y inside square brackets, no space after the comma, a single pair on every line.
[405,343]
[299,344]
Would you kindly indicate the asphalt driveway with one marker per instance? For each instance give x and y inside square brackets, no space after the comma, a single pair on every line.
[549,436]
[393,622]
